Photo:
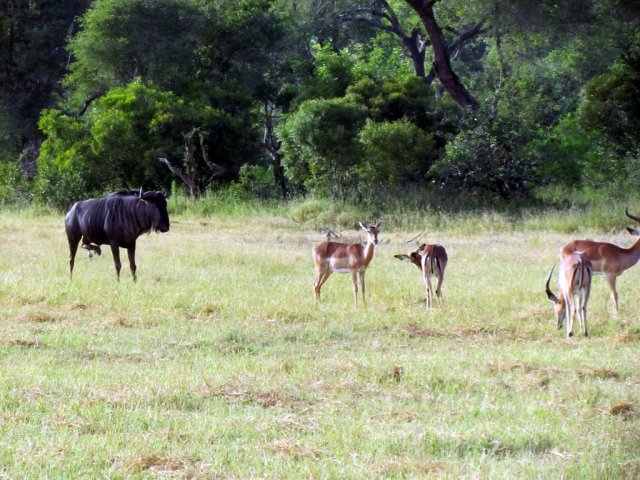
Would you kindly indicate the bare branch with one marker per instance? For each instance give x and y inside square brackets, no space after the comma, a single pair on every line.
[176,171]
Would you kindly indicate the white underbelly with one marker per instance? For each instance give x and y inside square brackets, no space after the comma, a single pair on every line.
[341,270]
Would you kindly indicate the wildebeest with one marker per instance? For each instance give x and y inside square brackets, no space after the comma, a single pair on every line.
[117,220]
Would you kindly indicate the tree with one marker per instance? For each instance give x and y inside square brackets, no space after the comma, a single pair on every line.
[33,59]
[117,143]
[381,15]
[320,146]
[120,40]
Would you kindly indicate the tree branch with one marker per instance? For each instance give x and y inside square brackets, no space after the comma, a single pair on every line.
[175,170]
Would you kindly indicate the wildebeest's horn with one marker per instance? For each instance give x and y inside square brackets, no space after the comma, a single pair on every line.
[140,192]
[550,294]
[166,193]
[637,219]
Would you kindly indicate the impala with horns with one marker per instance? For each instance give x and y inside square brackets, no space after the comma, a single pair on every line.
[606,258]
[574,278]
[431,260]
[337,257]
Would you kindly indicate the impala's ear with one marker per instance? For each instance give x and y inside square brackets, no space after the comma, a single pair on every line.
[363,225]
[633,232]
[402,256]
[378,224]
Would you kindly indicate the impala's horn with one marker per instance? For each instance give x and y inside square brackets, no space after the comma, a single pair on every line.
[417,237]
[550,294]
[637,219]
[330,233]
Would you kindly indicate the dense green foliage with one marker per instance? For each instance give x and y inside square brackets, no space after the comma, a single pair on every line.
[337,100]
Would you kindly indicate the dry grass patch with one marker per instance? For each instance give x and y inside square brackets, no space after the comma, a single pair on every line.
[510,367]
[477,331]
[20,342]
[296,451]
[405,466]
[93,354]
[536,313]
[41,317]
[625,338]
[600,373]
[539,383]
[33,393]
[241,393]
[623,409]
[168,467]
[294,424]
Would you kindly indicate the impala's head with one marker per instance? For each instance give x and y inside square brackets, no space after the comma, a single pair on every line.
[414,257]
[558,303]
[372,231]
[632,231]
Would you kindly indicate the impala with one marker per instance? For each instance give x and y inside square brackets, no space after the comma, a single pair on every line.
[337,257]
[608,259]
[575,275]
[431,260]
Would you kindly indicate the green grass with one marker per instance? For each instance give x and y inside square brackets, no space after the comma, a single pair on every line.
[217,363]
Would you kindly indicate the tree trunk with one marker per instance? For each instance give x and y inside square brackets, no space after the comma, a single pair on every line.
[442,60]
[412,44]
[28,160]
[272,146]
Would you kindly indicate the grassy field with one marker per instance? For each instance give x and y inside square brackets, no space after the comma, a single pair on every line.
[217,364]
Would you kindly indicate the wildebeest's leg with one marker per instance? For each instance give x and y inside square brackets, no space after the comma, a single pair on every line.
[91,247]
[131,251]
[74,240]
[115,251]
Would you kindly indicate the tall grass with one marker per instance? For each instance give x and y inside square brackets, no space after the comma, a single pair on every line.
[415,212]
[217,363]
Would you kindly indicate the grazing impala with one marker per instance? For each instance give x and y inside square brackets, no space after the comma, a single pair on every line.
[574,278]
[337,257]
[431,260]
[608,259]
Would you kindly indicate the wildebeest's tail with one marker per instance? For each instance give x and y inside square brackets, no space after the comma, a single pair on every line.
[74,235]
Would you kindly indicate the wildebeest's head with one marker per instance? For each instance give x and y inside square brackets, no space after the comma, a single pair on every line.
[160,215]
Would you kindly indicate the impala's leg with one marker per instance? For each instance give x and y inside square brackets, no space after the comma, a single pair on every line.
[439,286]
[354,278]
[115,251]
[580,311]
[427,285]
[131,252]
[321,277]
[587,291]
[570,314]
[611,280]
[364,301]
